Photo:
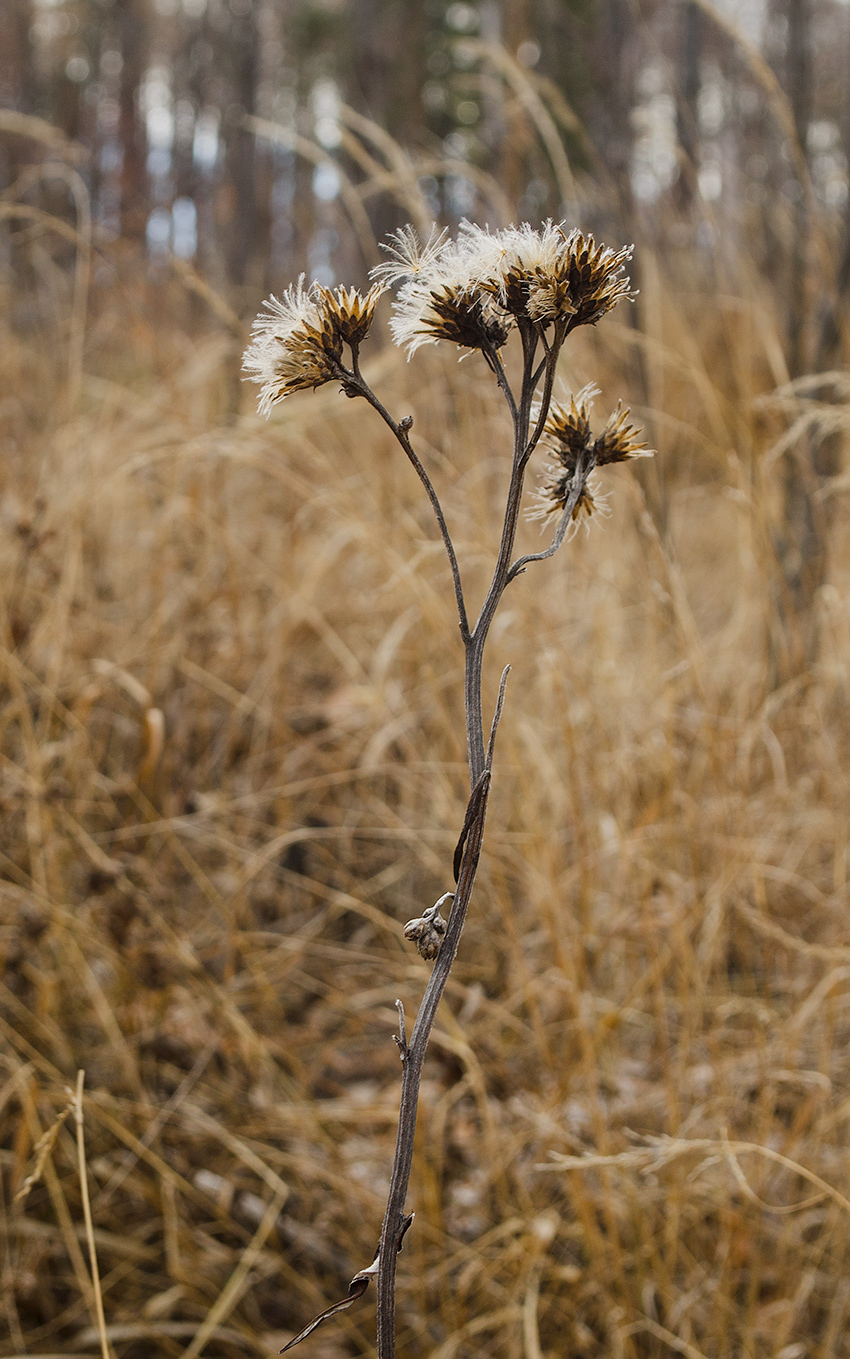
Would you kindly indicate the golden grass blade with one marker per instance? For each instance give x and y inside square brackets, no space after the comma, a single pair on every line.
[238,1280]
[77,1103]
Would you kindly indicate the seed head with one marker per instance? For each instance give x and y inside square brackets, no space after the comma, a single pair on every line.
[568,437]
[473,289]
[409,258]
[438,299]
[619,440]
[586,281]
[447,311]
[348,311]
[554,276]
[297,342]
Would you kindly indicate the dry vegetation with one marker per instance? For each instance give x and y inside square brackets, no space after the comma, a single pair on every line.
[634,1124]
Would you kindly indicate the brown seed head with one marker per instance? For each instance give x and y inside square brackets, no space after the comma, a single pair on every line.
[349,313]
[297,343]
[585,281]
[619,440]
[464,319]
[568,437]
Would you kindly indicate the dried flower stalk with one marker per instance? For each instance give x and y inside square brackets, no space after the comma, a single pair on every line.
[475,292]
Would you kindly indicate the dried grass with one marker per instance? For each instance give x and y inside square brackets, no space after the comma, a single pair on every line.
[633,1134]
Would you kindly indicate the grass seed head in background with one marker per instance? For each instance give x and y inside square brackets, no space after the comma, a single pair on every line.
[473,292]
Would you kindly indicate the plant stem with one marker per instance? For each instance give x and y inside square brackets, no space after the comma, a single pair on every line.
[354,380]
[413,1053]
[413,1058]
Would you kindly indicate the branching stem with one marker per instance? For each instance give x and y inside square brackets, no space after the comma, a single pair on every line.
[579,482]
[480,759]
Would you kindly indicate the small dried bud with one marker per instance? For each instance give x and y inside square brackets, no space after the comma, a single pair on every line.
[428,929]
[426,934]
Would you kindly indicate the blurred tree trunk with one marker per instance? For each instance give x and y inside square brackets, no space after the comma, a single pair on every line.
[240,154]
[798,74]
[687,121]
[133,36]
[832,330]
[802,539]
[17,81]
[382,87]
[17,78]
[614,56]
[511,163]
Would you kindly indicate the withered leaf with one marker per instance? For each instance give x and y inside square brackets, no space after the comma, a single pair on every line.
[473,808]
[356,1289]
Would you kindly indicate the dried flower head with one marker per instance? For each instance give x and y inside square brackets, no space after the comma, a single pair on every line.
[568,437]
[619,440]
[447,311]
[438,299]
[297,343]
[473,289]
[551,274]
[586,282]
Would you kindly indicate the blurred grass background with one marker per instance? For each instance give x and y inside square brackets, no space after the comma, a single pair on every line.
[233,767]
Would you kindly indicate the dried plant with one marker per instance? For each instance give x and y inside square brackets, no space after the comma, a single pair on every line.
[476,292]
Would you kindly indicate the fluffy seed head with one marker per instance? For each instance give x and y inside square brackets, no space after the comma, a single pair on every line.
[297,342]
[472,290]
[408,258]
[438,299]
[446,311]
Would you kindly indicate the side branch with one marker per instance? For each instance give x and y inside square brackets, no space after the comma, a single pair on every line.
[354,382]
[580,477]
[550,363]
[491,354]
[497,717]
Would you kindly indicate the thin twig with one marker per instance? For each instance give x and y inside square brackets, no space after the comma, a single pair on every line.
[497,716]
[355,379]
[491,354]
[579,482]
[550,363]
